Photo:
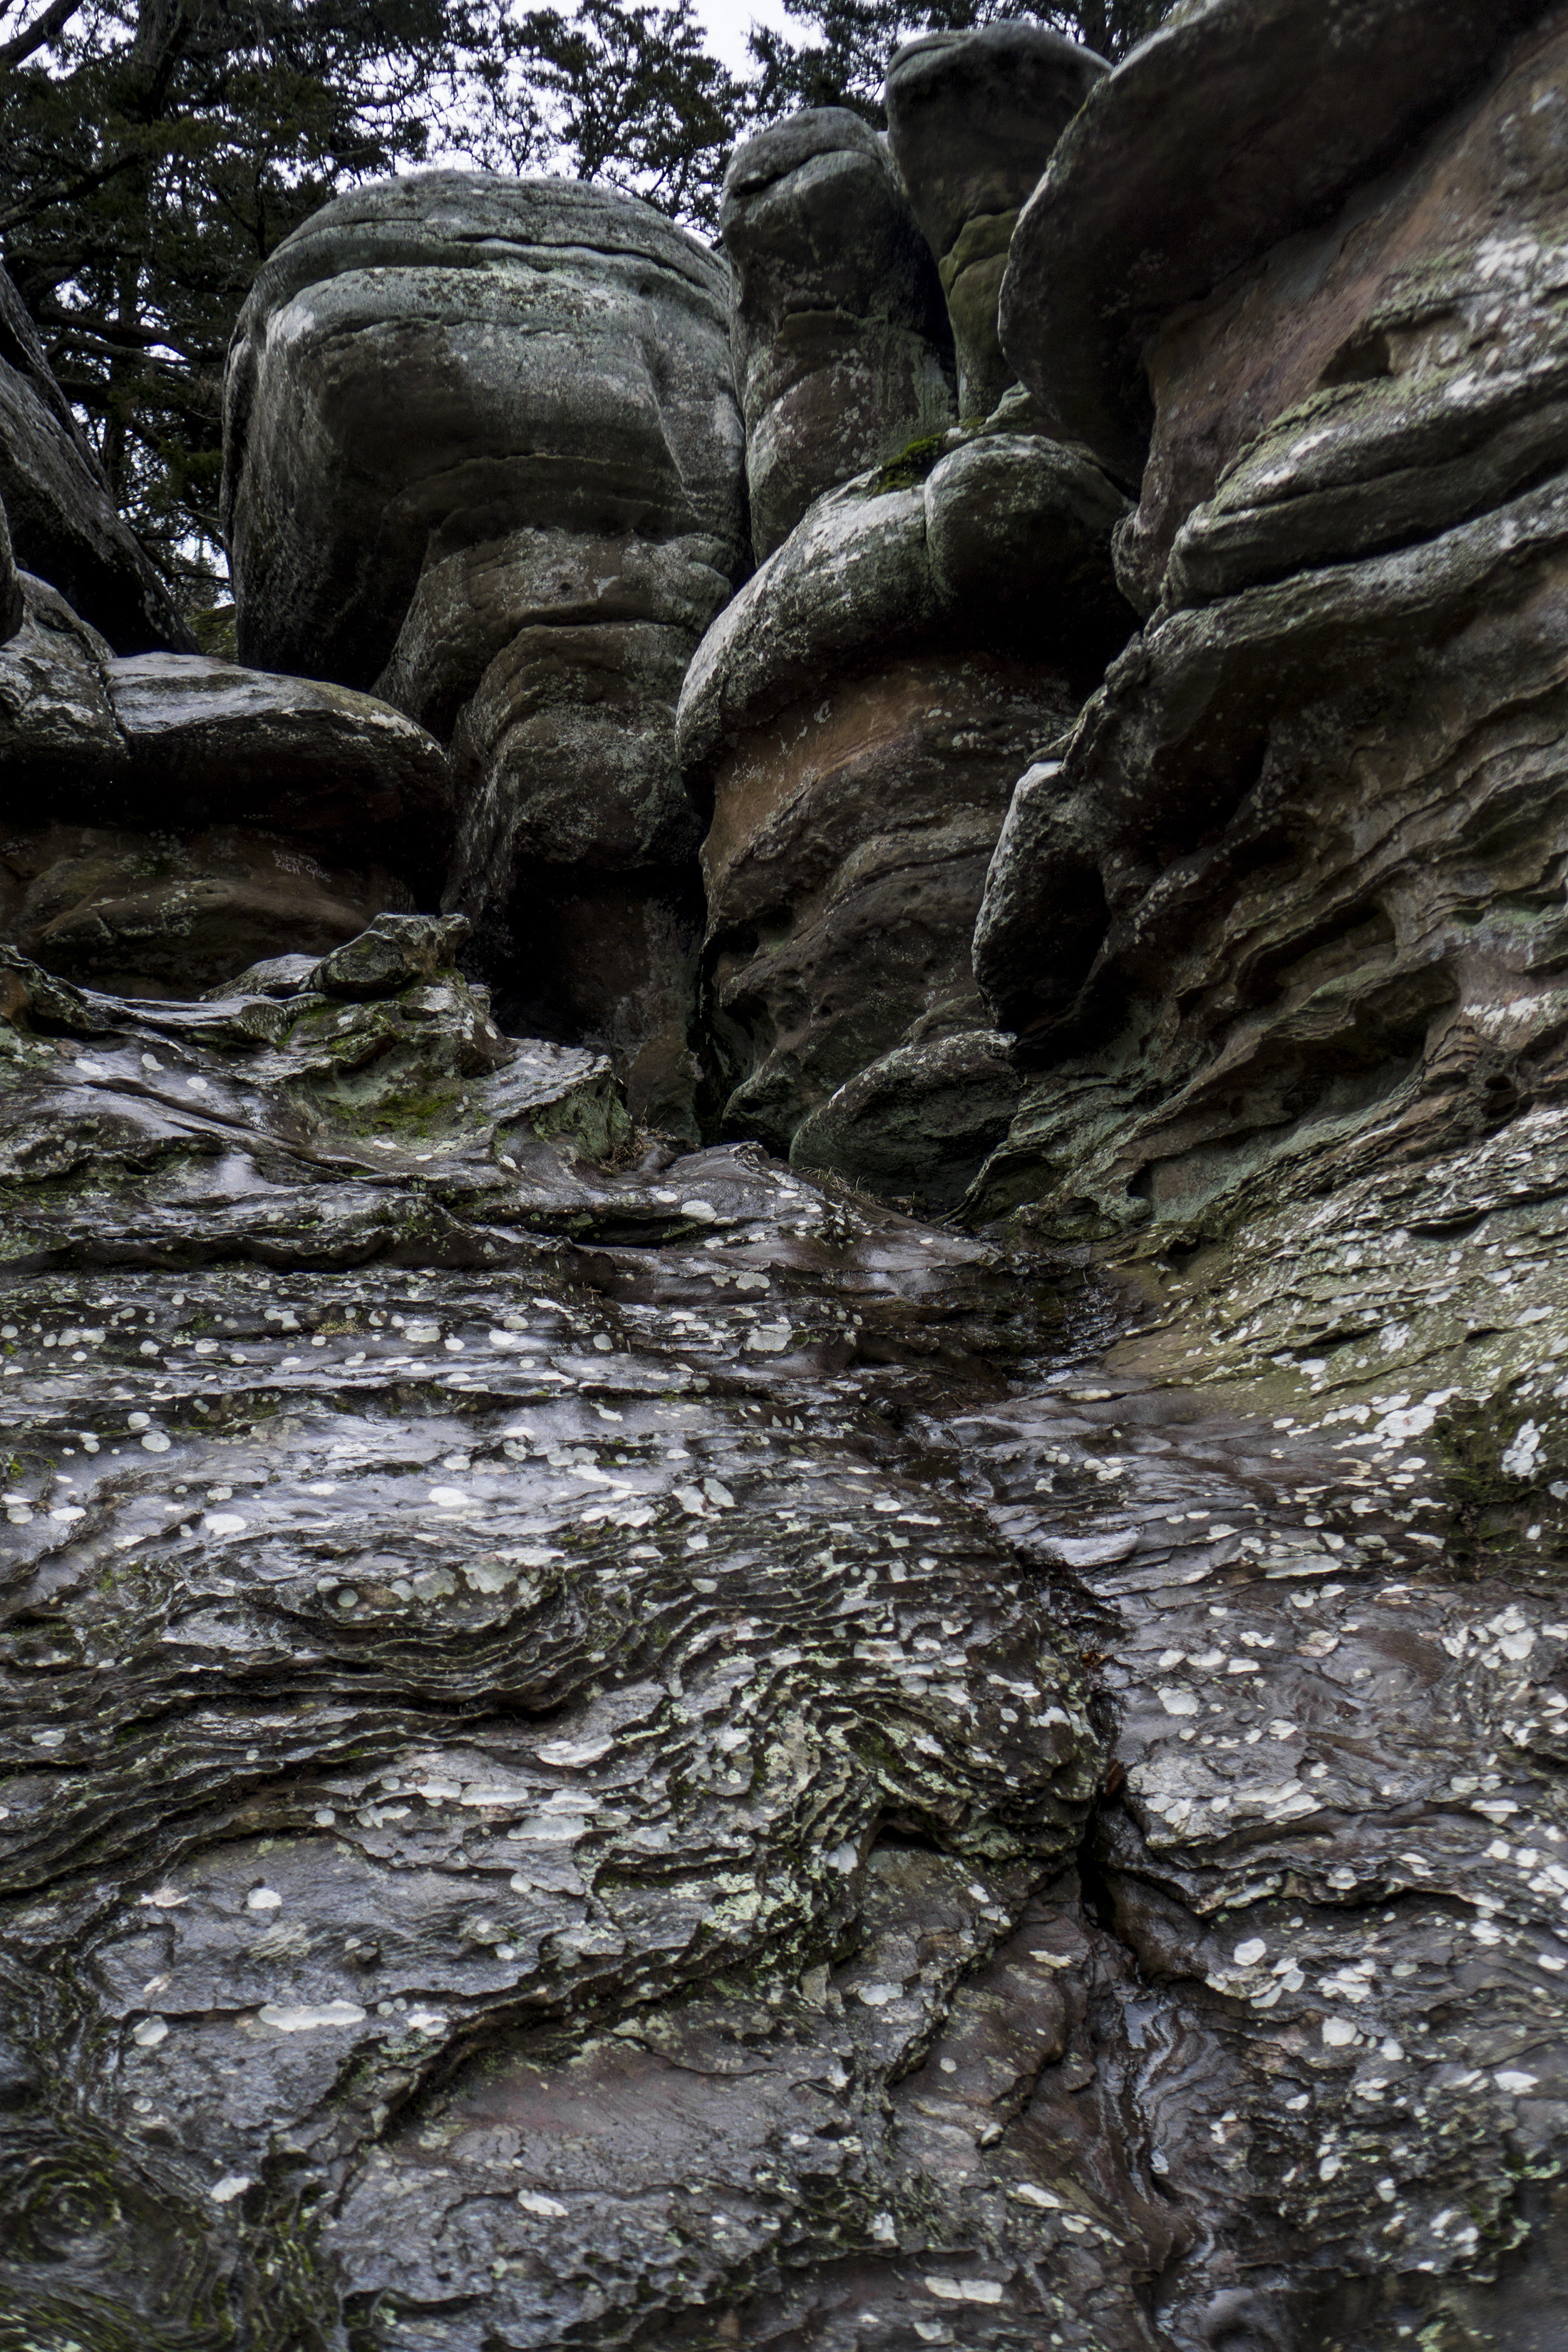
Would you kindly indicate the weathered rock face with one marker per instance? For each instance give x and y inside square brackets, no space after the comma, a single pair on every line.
[167,818]
[63,524]
[1237,123]
[484,455]
[1294,881]
[857,717]
[543,1784]
[842,352]
[972,118]
[683,1763]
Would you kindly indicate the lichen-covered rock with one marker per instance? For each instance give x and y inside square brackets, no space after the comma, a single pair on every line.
[857,717]
[62,521]
[483,455]
[972,118]
[843,352]
[1236,125]
[1294,879]
[540,1788]
[167,818]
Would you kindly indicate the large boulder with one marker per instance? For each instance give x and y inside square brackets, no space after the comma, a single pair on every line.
[842,353]
[1236,125]
[484,456]
[1291,899]
[168,818]
[63,523]
[856,720]
[972,118]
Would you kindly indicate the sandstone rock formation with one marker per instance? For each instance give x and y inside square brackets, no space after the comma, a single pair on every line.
[1233,125]
[62,521]
[484,458]
[681,1761]
[972,118]
[1292,884]
[167,818]
[542,1785]
[855,719]
[842,352]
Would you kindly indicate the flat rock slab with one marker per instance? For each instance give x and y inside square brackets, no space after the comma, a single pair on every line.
[541,1784]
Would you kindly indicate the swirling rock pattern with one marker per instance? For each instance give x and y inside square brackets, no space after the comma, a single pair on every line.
[544,1788]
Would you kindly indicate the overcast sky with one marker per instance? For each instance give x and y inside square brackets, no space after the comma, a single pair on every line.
[728,22]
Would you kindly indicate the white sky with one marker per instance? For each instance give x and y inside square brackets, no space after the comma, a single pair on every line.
[728,22]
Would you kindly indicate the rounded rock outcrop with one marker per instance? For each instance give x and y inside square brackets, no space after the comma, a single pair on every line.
[971,120]
[856,720]
[842,353]
[484,456]
[1234,124]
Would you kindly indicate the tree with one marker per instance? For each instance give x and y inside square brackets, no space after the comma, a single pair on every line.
[628,94]
[152,154]
[843,59]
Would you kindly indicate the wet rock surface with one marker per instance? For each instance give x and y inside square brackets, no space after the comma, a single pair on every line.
[626,1753]
[606,1741]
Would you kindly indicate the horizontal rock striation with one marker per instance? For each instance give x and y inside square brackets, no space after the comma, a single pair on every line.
[857,717]
[484,457]
[1236,124]
[1293,886]
[169,817]
[541,1787]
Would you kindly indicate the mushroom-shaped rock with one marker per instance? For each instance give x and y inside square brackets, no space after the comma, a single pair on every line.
[972,118]
[842,353]
[1236,125]
[169,818]
[483,453]
[856,719]
[63,524]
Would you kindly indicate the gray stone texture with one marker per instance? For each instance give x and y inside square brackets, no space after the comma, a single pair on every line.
[1236,125]
[842,352]
[855,719]
[62,521]
[972,118]
[165,818]
[1295,879]
[484,456]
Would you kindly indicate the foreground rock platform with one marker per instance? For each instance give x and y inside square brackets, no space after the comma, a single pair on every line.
[613,1748]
